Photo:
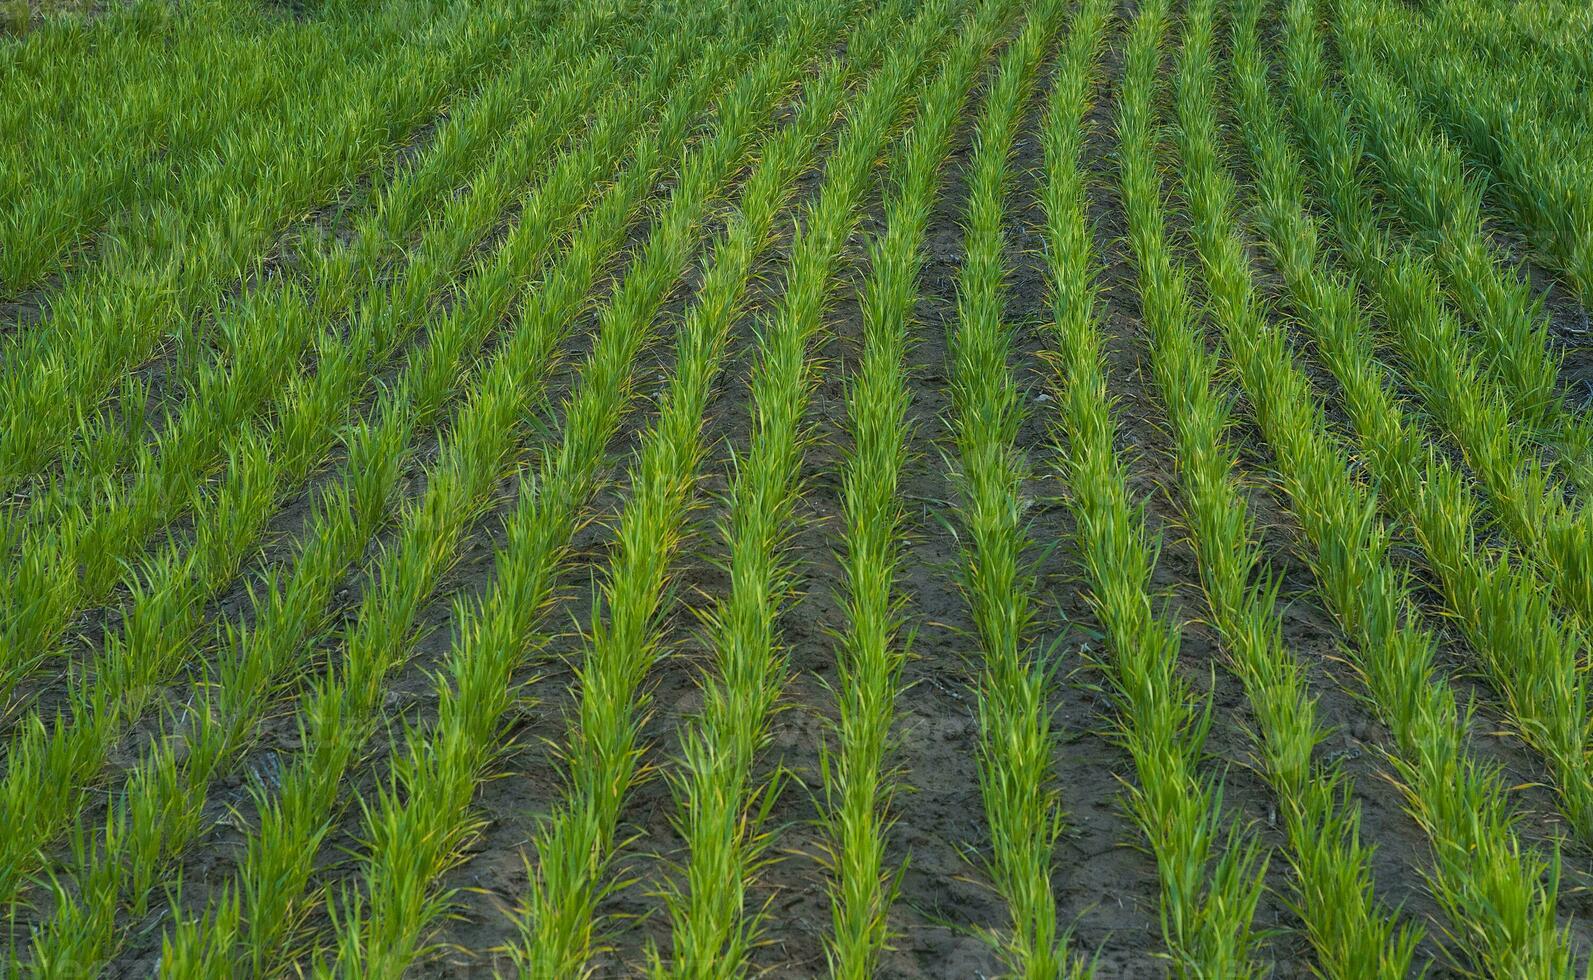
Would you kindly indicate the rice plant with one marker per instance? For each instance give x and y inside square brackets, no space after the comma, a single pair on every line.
[341,710]
[1352,933]
[1498,894]
[52,763]
[416,824]
[859,784]
[1533,656]
[1209,877]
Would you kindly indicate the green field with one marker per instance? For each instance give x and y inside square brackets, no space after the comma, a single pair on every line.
[873,488]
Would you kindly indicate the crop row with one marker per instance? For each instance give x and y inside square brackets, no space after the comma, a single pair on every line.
[342,711]
[1021,806]
[79,540]
[235,585]
[859,784]
[1497,893]
[100,325]
[1210,876]
[256,661]
[48,766]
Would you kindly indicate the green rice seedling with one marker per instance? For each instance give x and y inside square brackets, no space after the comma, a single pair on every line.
[342,710]
[1510,53]
[859,786]
[50,766]
[390,213]
[102,324]
[96,142]
[199,81]
[575,844]
[1532,657]
[1488,423]
[1498,895]
[1539,168]
[92,526]
[166,792]
[1021,804]
[420,820]
[1210,879]
[1352,934]
[1425,176]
